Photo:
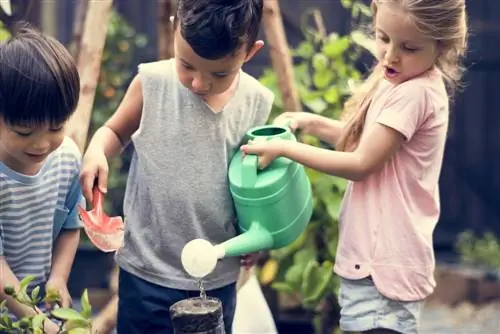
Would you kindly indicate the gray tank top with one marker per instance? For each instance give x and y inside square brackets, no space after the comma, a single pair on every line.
[177,187]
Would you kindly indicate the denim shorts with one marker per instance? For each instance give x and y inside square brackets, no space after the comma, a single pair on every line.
[363,308]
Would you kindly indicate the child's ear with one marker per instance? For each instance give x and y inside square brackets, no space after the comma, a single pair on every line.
[254,49]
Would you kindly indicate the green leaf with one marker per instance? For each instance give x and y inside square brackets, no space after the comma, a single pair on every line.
[334,48]
[332,95]
[315,283]
[86,307]
[304,50]
[282,287]
[66,314]
[322,79]
[34,295]
[293,276]
[25,282]
[317,106]
[6,320]
[77,331]
[77,324]
[305,255]
[52,296]
[37,321]
[320,62]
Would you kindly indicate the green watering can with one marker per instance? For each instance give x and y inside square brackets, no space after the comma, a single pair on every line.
[273,206]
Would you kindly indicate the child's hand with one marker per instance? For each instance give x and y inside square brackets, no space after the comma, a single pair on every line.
[296,120]
[60,286]
[94,168]
[267,151]
[50,327]
[250,260]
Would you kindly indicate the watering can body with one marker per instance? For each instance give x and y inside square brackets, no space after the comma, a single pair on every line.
[273,205]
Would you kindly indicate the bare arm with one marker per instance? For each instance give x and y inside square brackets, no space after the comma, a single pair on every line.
[373,152]
[64,254]
[326,129]
[113,136]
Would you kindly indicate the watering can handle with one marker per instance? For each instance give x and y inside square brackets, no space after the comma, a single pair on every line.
[249,169]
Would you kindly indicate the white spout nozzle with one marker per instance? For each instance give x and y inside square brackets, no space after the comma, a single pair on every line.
[199,257]
[220,251]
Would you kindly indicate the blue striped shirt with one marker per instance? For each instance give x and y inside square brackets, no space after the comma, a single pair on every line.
[34,210]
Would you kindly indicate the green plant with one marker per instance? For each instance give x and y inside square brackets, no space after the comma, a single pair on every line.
[480,251]
[72,321]
[324,70]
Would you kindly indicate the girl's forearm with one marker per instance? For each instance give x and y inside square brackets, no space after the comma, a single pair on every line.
[326,129]
[341,164]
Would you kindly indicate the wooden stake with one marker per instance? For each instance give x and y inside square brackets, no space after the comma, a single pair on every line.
[89,67]
[280,55]
[165,29]
[80,13]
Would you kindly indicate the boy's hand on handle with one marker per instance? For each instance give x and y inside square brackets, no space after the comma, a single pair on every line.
[94,168]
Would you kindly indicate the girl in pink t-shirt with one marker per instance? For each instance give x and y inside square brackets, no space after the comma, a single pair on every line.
[391,149]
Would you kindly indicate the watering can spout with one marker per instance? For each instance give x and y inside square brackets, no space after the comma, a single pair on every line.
[255,239]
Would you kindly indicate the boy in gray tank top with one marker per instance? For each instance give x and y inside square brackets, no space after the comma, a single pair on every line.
[186,117]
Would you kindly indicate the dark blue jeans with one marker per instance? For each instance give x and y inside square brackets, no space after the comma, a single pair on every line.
[143,307]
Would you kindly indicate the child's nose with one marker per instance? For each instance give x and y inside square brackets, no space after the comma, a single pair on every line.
[198,84]
[391,55]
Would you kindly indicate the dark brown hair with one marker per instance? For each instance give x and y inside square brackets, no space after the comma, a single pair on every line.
[39,81]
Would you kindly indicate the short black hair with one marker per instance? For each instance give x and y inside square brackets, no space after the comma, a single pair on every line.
[217,28]
[39,81]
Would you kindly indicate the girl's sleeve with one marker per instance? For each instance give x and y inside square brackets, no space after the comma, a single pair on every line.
[405,109]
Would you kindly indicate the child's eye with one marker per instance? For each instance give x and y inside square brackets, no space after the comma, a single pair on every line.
[23,134]
[187,66]
[56,129]
[410,48]
[220,75]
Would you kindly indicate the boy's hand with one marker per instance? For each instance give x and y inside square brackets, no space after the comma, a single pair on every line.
[60,286]
[94,168]
[50,327]
[249,260]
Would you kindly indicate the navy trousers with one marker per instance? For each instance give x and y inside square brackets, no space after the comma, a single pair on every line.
[143,307]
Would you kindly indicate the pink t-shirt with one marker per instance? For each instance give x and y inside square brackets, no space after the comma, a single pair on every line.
[387,220]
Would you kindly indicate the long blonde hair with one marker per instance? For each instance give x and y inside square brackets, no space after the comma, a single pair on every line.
[445,21]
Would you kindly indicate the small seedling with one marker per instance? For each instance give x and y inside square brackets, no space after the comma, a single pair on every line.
[70,320]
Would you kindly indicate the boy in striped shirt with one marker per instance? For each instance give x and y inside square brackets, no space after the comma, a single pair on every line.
[39,166]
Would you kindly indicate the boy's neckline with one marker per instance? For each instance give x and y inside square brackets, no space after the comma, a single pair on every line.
[231,95]
[26,178]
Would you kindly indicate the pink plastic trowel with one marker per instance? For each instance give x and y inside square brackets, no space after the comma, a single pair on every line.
[105,232]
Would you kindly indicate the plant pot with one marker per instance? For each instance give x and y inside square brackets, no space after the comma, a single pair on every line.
[457,283]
